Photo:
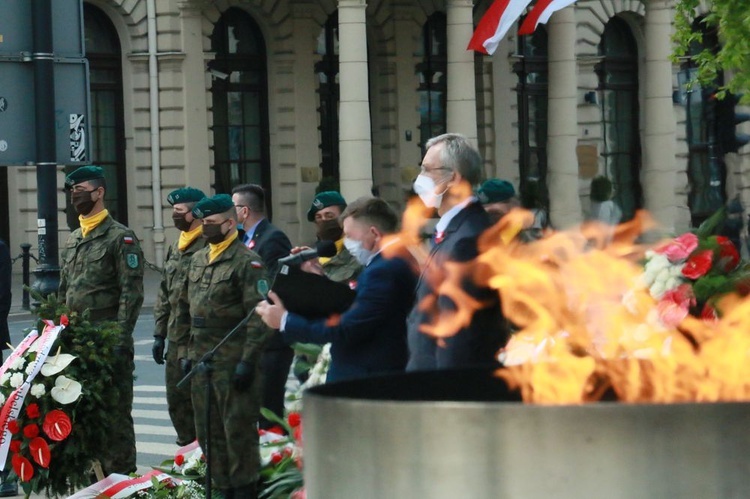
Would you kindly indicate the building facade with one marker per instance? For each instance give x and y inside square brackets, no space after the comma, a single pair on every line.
[292,93]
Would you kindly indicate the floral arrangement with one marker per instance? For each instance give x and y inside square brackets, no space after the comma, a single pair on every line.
[688,274]
[281,457]
[56,401]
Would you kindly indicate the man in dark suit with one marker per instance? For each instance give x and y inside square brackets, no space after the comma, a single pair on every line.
[370,337]
[270,243]
[450,169]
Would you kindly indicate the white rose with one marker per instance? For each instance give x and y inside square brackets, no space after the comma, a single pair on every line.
[29,368]
[4,378]
[663,275]
[658,289]
[16,380]
[17,363]
[38,390]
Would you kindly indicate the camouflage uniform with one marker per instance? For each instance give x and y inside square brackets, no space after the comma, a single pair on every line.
[343,267]
[103,272]
[221,293]
[176,329]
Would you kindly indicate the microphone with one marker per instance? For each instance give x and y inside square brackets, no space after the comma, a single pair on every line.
[322,248]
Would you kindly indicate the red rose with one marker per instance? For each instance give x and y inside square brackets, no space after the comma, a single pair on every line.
[23,467]
[13,427]
[31,431]
[40,451]
[57,425]
[276,429]
[286,452]
[698,264]
[15,446]
[179,459]
[32,411]
[294,419]
[276,458]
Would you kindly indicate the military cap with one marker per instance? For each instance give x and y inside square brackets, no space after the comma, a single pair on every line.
[495,190]
[323,200]
[185,195]
[219,203]
[83,174]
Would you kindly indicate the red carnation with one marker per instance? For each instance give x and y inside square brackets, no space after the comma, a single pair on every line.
[32,411]
[729,258]
[698,264]
[57,425]
[286,452]
[40,451]
[13,427]
[31,431]
[15,446]
[23,467]
[294,419]
[276,458]
[276,429]
[179,459]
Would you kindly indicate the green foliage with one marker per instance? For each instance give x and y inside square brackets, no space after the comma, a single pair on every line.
[732,20]
[93,345]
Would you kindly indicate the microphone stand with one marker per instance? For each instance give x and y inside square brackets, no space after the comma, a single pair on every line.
[204,366]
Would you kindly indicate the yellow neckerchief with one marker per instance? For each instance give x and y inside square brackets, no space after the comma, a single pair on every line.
[90,223]
[325,259]
[187,238]
[217,249]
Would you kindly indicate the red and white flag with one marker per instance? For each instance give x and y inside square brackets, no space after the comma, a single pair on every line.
[495,24]
[540,14]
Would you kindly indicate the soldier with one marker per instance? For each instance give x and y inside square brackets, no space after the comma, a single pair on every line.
[169,324]
[102,272]
[225,282]
[325,211]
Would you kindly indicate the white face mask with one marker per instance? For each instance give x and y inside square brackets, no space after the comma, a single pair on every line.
[358,251]
[425,187]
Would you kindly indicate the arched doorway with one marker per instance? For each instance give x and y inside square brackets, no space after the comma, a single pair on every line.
[240,104]
[618,85]
[107,115]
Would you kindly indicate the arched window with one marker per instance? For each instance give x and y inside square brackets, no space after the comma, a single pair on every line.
[432,82]
[618,84]
[240,104]
[706,169]
[327,71]
[532,71]
[107,116]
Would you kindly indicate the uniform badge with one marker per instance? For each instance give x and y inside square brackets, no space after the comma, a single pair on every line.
[132,260]
[353,285]
[128,240]
[262,287]
[256,264]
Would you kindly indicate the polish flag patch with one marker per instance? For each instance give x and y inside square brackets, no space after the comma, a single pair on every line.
[128,240]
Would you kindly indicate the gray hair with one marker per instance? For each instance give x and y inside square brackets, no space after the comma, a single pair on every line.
[459,155]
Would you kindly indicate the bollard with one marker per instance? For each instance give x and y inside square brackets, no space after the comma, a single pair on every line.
[26,255]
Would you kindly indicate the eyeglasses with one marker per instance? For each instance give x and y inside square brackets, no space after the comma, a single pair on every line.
[423,169]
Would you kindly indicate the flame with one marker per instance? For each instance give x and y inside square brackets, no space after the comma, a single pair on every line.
[586,328]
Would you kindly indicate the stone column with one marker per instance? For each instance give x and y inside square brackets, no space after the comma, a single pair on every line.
[461,99]
[562,130]
[194,83]
[355,146]
[659,140]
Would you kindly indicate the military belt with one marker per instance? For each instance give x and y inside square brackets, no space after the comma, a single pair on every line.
[103,314]
[216,322]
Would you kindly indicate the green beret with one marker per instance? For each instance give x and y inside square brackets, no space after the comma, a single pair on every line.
[495,190]
[206,207]
[83,174]
[185,195]
[323,200]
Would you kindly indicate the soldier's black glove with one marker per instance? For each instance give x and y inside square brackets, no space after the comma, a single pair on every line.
[243,375]
[186,365]
[158,350]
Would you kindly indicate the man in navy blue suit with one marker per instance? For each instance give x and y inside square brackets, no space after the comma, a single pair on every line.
[270,243]
[370,337]
[451,168]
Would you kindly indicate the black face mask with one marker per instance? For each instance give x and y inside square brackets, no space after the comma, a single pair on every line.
[329,230]
[180,223]
[82,202]
[213,233]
